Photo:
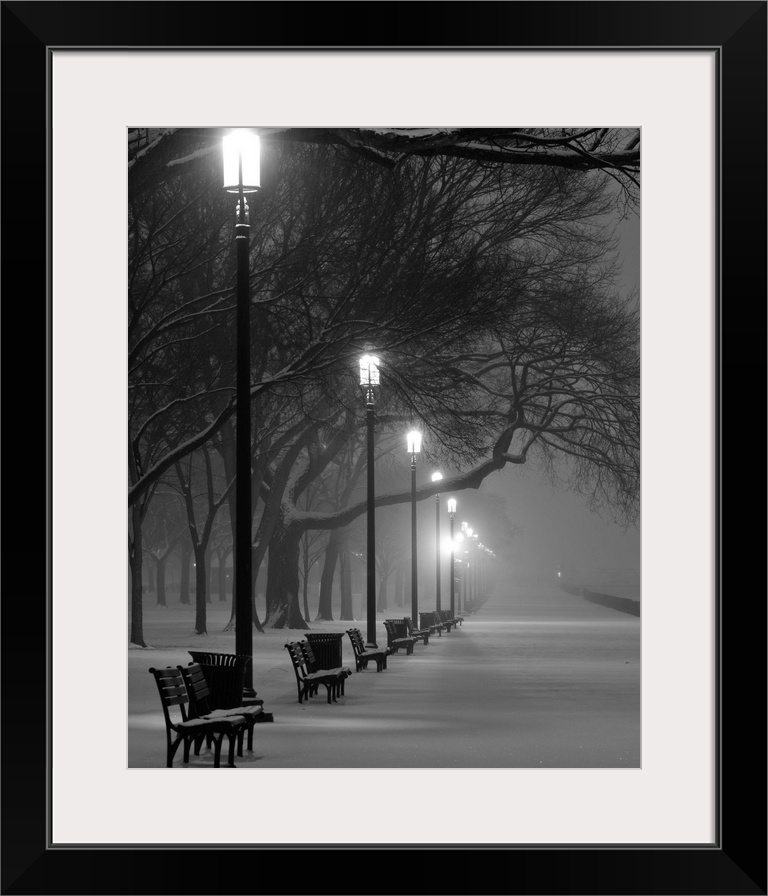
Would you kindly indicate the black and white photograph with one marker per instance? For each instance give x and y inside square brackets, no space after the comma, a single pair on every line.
[384,469]
[383,453]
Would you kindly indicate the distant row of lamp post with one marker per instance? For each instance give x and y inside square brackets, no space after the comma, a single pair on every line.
[241,156]
[369,378]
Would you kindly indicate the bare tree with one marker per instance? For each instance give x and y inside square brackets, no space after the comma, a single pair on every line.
[202,506]
[159,154]
[485,285]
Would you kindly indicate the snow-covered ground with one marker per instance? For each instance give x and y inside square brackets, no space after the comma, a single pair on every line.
[536,679]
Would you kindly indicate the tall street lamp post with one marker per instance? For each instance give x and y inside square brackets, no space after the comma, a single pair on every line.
[451,514]
[436,477]
[413,442]
[480,565]
[464,583]
[241,176]
[459,540]
[471,595]
[369,377]
[476,565]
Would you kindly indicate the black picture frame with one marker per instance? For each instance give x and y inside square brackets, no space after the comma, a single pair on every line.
[736,862]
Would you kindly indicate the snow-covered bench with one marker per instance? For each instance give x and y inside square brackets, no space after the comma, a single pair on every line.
[189,731]
[430,620]
[201,706]
[308,683]
[447,617]
[364,653]
[421,634]
[311,664]
[395,642]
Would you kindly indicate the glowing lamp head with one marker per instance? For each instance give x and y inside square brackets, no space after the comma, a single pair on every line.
[369,370]
[464,527]
[451,505]
[413,441]
[469,531]
[241,161]
[436,477]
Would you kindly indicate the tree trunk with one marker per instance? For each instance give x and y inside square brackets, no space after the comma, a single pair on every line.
[399,590]
[305,583]
[137,587]
[147,576]
[381,605]
[209,577]
[325,606]
[283,609]
[223,577]
[186,554]
[160,572]
[200,596]
[345,579]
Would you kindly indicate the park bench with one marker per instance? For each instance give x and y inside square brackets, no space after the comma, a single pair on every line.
[201,706]
[430,620]
[396,641]
[448,617]
[308,683]
[421,634]
[311,665]
[404,629]
[189,731]
[364,653]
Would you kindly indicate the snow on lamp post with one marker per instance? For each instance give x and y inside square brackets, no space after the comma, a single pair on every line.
[369,378]
[436,477]
[451,515]
[413,443]
[241,175]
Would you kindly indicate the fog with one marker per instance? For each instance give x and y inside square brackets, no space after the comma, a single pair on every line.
[555,529]
[558,532]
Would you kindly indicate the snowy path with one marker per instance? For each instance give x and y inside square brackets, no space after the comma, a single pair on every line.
[538,680]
